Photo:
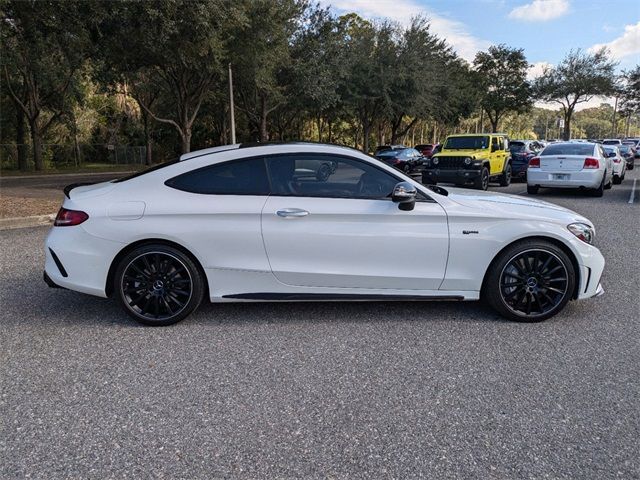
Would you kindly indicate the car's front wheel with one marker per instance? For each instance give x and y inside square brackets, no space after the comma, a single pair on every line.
[158,285]
[482,181]
[530,281]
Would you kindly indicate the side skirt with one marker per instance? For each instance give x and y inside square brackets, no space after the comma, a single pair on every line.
[338,297]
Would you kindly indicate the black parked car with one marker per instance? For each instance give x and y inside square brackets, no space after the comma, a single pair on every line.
[628,153]
[521,152]
[406,159]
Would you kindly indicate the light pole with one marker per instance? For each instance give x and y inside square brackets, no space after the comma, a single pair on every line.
[232,119]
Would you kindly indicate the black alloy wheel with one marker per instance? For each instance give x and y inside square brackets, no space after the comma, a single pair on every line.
[530,282]
[323,173]
[482,181]
[158,285]
[505,178]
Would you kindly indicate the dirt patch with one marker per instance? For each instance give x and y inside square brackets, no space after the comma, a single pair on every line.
[18,206]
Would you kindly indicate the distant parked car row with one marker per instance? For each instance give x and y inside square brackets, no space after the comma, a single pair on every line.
[585,165]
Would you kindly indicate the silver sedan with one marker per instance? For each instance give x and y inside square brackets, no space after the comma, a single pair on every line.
[571,165]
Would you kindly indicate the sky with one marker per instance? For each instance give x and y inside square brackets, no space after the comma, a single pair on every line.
[546,29]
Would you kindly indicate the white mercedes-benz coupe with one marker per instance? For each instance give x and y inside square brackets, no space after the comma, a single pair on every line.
[262,223]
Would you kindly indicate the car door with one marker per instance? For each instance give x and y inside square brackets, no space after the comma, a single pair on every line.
[346,232]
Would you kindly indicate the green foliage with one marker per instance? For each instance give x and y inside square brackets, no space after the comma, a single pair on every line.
[577,79]
[502,74]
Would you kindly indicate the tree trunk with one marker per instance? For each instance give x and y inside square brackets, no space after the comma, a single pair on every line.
[36,140]
[148,159]
[566,134]
[185,136]
[264,134]
[330,131]
[366,132]
[23,161]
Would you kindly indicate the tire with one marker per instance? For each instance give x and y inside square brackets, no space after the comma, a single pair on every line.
[529,281]
[610,184]
[532,189]
[505,178]
[617,179]
[158,285]
[323,173]
[407,168]
[482,181]
[598,192]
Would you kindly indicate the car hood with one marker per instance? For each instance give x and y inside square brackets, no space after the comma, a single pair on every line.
[512,206]
[462,153]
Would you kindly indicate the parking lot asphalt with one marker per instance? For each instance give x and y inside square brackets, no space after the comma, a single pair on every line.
[324,390]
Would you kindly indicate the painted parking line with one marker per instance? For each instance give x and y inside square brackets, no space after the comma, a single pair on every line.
[633,191]
[522,192]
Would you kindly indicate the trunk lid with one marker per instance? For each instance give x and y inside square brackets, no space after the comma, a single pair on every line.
[561,163]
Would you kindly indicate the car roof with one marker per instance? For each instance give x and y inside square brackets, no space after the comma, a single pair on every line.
[477,134]
[224,148]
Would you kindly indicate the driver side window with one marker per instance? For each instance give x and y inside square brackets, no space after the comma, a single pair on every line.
[327,176]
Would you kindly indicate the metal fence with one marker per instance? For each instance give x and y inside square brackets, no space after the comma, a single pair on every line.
[62,156]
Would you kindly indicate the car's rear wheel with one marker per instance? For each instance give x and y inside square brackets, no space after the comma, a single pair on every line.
[158,285]
[598,192]
[617,179]
[532,189]
[482,181]
[530,281]
[505,178]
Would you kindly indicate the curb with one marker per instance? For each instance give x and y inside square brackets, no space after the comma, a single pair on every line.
[23,222]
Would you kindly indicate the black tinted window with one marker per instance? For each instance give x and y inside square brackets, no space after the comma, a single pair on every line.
[568,149]
[327,176]
[239,177]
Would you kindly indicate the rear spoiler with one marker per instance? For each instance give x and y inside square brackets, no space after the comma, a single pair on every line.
[71,186]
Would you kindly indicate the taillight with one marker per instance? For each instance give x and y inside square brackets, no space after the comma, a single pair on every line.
[616,160]
[396,161]
[591,163]
[534,162]
[69,218]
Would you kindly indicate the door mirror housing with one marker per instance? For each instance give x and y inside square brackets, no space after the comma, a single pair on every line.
[404,194]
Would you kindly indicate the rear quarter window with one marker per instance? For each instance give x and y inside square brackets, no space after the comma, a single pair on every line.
[235,177]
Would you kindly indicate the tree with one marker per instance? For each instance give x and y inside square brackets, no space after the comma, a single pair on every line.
[316,74]
[45,44]
[415,77]
[174,48]
[503,76]
[260,59]
[369,53]
[577,79]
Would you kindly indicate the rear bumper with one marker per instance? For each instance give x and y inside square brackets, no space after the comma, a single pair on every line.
[77,260]
[584,179]
[440,175]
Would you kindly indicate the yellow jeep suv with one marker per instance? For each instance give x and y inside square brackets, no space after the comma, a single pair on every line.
[476,158]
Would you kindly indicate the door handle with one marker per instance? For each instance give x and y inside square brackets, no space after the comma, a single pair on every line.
[292,212]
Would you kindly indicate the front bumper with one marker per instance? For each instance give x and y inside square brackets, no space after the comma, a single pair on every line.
[435,175]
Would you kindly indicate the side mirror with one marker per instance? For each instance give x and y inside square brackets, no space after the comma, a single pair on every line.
[404,194]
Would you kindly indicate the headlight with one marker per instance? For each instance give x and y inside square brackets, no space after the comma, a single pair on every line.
[583,231]
[467,161]
[435,161]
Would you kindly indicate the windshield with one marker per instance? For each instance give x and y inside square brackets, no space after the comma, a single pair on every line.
[388,153]
[625,148]
[568,149]
[466,143]
[611,142]
[516,147]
